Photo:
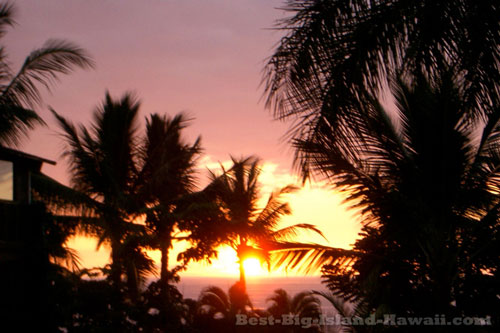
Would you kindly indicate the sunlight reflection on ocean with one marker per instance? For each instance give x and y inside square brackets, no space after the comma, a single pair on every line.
[259,288]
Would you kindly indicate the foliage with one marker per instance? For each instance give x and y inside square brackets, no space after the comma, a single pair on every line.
[216,310]
[250,231]
[102,160]
[302,305]
[19,91]
[335,50]
[423,174]
[166,182]
[428,194]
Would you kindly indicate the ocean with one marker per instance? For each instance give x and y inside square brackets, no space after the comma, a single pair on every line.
[258,288]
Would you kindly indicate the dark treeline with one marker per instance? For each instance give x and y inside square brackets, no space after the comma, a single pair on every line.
[123,176]
[423,174]
[134,190]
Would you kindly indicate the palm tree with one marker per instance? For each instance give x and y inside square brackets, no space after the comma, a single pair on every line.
[345,309]
[103,166]
[333,50]
[167,178]
[68,212]
[19,91]
[214,303]
[166,185]
[251,231]
[303,304]
[137,265]
[326,75]
[427,189]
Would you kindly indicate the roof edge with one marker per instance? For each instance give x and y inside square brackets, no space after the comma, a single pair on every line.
[24,155]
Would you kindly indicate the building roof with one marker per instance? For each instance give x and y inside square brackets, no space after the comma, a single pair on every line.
[13,154]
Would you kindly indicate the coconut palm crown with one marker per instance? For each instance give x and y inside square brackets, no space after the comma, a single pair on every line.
[249,230]
[425,181]
[103,165]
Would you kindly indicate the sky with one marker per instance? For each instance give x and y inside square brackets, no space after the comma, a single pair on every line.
[204,58]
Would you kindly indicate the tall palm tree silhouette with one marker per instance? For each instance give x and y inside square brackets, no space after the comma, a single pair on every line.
[426,183]
[250,231]
[335,49]
[427,187]
[102,160]
[19,90]
[166,185]
[167,178]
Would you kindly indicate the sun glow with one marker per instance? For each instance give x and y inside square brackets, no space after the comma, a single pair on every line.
[314,205]
[252,267]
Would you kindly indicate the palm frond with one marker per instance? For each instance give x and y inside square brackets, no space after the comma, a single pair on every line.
[79,225]
[7,13]
[332,50]
[274,209]
[63,199]
[343,308]
[215,299]
[306,304]
[42,66]
[168,159]
[15,123]
[69,258]
[308,258]
[280,303]
[290,232]
[145,266]
[83,165]
[19,93]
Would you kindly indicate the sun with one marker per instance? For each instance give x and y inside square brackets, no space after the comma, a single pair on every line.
[252,267]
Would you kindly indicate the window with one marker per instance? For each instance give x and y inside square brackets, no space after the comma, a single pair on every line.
[6,180]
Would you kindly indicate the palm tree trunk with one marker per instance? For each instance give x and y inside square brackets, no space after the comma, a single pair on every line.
[116,271]
[132,283]
[168,314]
[239,252]
[164,264]
[115,275]
[165,243]
[164,310]
[243,282]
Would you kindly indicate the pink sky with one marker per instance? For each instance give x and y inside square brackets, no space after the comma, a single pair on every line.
[202,57]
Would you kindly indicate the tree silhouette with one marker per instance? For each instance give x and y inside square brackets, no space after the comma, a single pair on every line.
[167,177]
[102,160]
[166,187]
[424,177]
[303,305]
[19,91]
[213,301]
[250,231]
[345,309]
[217,310]
[427,190]
[333,50]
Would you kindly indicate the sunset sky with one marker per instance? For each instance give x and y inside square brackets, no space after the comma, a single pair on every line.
[201,57]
